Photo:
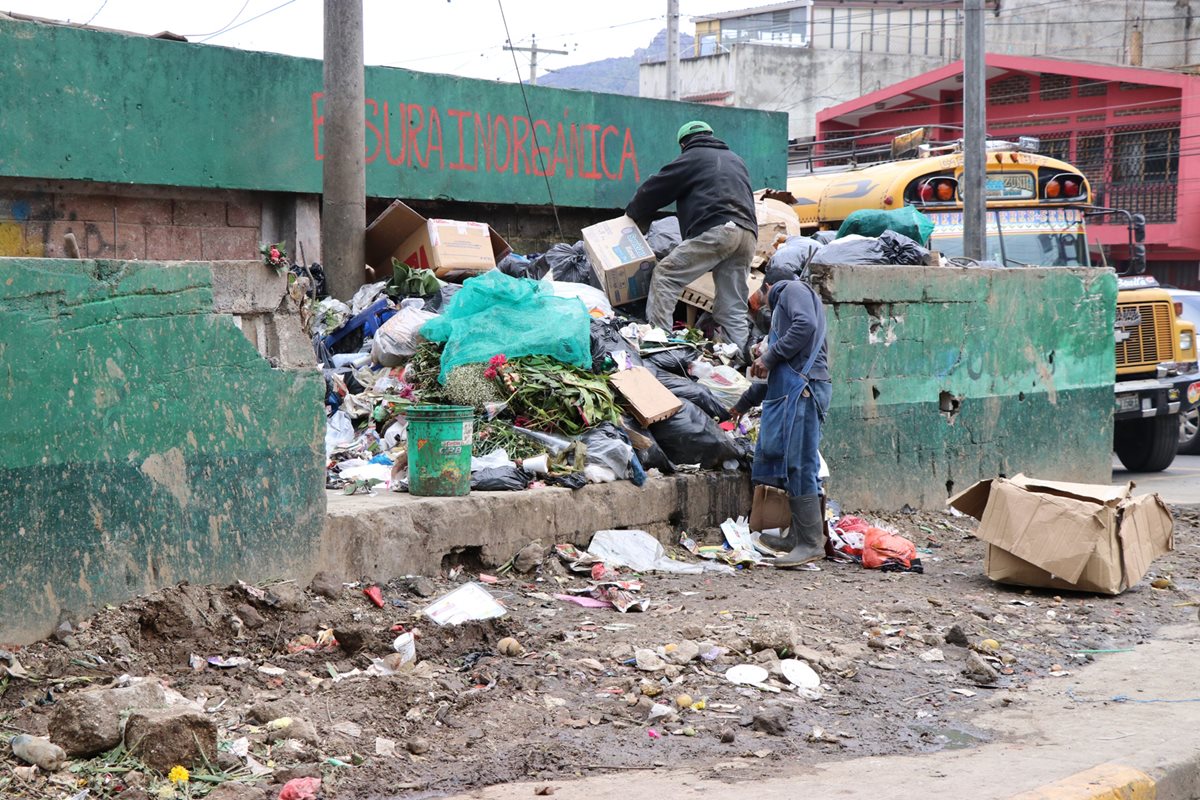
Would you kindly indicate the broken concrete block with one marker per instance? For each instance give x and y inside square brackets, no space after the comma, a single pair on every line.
[86,724]
[164,738]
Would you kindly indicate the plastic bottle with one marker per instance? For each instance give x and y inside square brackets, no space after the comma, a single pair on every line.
[40,751]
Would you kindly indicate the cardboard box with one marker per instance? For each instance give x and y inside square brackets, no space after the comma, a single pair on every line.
[622,259]
[1070,536]
[448,247]
[776,221]
[649,400]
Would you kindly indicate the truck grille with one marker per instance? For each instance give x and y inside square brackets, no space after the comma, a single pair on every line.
[1148,330]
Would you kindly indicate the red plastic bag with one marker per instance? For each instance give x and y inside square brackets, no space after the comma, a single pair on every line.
[300,789]
[882,546]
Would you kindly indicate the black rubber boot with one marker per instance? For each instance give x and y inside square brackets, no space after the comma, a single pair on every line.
[778,545]
[808,530]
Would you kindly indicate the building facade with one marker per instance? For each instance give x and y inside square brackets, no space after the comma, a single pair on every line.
[804,56]
[1134,132]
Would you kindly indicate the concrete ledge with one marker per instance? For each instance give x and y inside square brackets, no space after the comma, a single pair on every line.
[1105,782]
[391,534]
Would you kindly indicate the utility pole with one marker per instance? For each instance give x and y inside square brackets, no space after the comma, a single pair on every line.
[533,51]
[672,49]
[974,191]
[343,174]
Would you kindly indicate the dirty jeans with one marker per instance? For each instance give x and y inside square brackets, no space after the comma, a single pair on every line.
[724,250]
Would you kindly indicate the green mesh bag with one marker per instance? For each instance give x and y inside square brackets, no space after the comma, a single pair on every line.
[494,313]
[906,221]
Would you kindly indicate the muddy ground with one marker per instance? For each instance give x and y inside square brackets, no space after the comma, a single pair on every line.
[571,703]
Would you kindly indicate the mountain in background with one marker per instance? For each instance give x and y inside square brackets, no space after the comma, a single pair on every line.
[613,75]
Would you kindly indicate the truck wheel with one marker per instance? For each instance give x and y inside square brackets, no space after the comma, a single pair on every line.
[1147,445]
[1189,432]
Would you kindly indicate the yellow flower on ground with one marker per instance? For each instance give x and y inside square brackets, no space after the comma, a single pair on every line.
[178,775]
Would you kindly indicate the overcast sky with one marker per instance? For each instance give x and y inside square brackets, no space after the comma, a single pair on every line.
[460,37]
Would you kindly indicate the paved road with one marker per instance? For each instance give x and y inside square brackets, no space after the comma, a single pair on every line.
[1179,484]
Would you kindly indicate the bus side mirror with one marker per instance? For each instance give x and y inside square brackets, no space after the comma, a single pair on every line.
[1137,253]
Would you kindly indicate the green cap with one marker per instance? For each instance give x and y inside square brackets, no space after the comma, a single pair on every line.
[695,126]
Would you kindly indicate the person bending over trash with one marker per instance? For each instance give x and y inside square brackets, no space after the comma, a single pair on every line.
[710,186]
[794,401]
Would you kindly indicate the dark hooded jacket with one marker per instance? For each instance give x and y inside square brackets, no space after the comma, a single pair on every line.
[708,183]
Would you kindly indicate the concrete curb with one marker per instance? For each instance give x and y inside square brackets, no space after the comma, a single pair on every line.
[1106,782]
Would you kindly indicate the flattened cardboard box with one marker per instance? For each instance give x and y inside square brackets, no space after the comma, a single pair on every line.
[649,400]
[448,247]
[621,258]
[1072,536]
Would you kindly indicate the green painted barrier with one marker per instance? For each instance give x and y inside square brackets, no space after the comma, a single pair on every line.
[439,450]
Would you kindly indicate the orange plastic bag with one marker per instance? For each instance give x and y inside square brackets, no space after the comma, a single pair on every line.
[880,547]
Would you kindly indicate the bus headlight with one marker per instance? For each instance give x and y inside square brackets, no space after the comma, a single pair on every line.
[1185,340]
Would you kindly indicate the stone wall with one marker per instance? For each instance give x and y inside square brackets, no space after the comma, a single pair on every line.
[943,376]
[143,440]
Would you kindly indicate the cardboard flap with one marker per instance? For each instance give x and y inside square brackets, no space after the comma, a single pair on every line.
[1146,532]
[782,195]
[1054,533]
[389,230]
[500,248]
[1087,492]
[650,400]
[973,500]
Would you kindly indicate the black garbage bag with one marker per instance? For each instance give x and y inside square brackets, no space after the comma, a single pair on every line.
[607,338]
[900,249]
[518,266]
[608,446]
[851,251]
[664,236]
[688,389]
[567,262]
[500,479]
[675,361]
[649,454]
[317,288]
[692,437]
[572,480]
[438,301]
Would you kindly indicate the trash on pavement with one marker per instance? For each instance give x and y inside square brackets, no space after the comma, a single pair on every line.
[396,340]
[648,399]
[375,595]
[470,602]
[39,751]
[300,789]
[448,247]
[621,258]
[749,675]
[738,539]
[406,645]
[799,673]
[889,551]
[638,551]
[1067,535]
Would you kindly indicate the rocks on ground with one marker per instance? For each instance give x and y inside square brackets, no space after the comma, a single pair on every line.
[164,738]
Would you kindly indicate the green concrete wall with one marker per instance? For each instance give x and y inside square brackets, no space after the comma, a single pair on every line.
[89,105]
[143,441]
[1022,359]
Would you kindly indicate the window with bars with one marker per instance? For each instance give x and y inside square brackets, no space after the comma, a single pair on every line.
[1148,156]
[1013,90]
[1054,87]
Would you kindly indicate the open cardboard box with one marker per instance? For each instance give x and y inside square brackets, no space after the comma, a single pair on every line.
[450,248]
[1072,536]
[621,258]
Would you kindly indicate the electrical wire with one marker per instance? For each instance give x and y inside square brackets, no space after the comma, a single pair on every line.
[224,27]
[532,127]
[98,10]
[247,21]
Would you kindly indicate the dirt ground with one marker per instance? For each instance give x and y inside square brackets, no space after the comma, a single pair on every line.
[572,702]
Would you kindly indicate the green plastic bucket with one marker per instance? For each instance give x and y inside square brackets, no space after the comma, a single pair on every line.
[439,450]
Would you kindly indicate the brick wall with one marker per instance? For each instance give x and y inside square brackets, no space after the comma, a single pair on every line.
[127,222]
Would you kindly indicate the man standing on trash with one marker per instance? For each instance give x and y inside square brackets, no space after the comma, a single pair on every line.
[710,187]
[794,401]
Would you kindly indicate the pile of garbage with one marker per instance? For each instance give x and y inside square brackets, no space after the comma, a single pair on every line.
[565,390]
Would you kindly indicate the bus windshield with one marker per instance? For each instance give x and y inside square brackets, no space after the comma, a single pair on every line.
[1020,237]
[1021,248]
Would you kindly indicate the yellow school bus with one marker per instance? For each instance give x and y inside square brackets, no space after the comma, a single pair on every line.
[1036,207]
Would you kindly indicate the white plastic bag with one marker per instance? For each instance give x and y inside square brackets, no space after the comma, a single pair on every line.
[726,384]
[339,430]
[593,298]
[396,339]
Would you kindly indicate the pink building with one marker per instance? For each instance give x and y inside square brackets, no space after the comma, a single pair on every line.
[1134,132]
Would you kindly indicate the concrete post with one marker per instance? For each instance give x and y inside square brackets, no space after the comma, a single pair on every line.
[974,190]
[344,178]
[672,49]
